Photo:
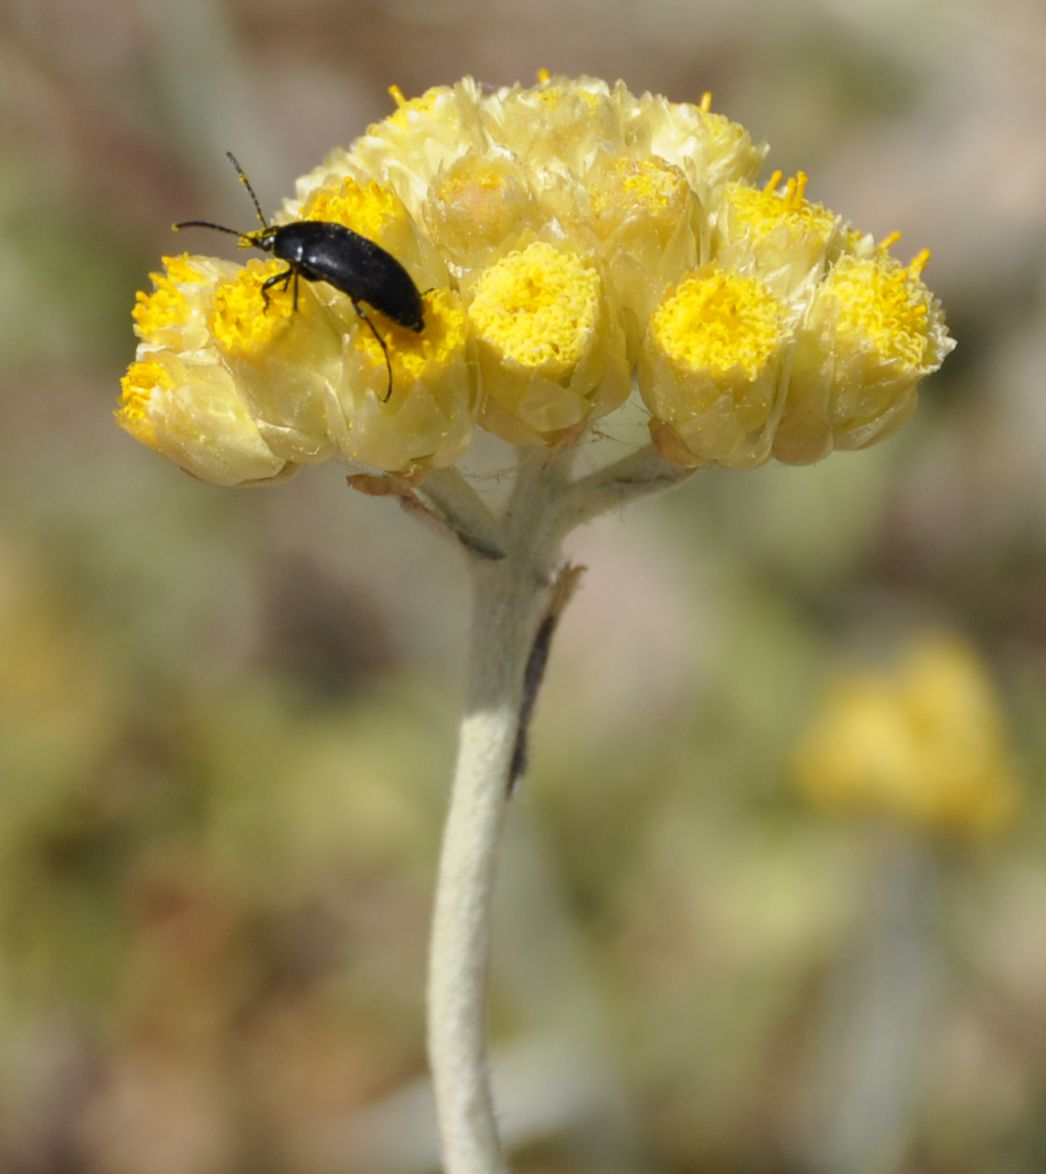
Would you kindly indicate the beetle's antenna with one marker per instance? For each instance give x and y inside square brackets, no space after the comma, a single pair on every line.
[247,184]
[206,224]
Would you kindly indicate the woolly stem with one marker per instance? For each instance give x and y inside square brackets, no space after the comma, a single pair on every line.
[511,601]
[519,590]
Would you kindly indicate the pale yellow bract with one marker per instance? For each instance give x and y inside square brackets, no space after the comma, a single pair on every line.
[576,244]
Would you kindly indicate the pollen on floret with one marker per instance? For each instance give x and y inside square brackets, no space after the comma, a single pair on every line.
[137,386]
[415,356]
[405,107]
[719,321]
[167,307]
[627,185]
[470,181]
[429,418]
[857,243]
[762,211]
[241,322]
[556,94]
[883,304]
[365,208]
[709,148]
[538,308]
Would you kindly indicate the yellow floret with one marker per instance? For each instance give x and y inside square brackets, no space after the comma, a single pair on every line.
[891,239]
[762,212]
[711,366]
[137,387]
[884,304]
[414,356]
[405,107]
[173,313]
[429,419]
[159,310]
[478,206]
[710,149]
[538,308]
[556,128]
[241,322]
[871,333]
[564,96]
[719,322]
[856,243]
[190,411]
[472,184]
[778,234]
[166,305]
[365,208]
[627,186]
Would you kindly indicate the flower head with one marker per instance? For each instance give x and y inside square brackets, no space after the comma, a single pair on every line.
[872,332]
[551,350]
[712,368]
[572,242]
[189,411]
[924,745]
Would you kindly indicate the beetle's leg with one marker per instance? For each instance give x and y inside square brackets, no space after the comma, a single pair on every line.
[277,279]
[381,342]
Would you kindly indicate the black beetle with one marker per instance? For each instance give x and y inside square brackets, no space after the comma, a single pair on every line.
[320,250]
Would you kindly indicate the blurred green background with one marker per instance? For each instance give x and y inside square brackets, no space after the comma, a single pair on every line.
[227,719]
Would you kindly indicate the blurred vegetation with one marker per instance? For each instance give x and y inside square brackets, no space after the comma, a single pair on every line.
[227,719]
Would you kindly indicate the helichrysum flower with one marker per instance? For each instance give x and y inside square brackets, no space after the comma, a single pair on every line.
[575,244]
[925,745]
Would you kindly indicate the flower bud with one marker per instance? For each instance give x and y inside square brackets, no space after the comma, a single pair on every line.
[478,209]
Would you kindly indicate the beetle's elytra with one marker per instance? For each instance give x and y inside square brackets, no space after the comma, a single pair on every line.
[319,250]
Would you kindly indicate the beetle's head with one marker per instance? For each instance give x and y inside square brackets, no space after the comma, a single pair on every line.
[260,238]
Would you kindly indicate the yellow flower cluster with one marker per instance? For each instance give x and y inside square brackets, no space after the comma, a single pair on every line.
[925,745]
[573,242]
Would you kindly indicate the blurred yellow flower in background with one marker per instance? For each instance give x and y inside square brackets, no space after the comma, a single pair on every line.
[924,744]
